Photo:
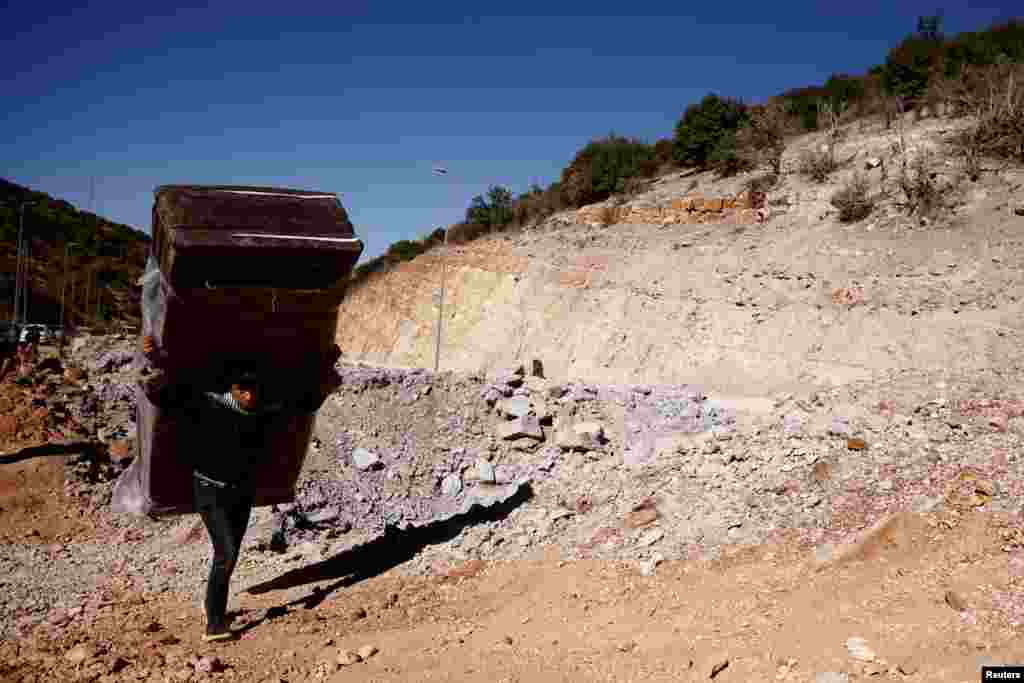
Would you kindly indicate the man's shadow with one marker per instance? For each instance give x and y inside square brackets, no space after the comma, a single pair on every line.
[88,449]
[379,555]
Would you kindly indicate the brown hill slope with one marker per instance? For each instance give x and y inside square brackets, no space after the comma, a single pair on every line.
[91,260]
[670,295]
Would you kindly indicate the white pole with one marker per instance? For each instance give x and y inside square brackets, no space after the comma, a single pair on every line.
[440,303]
[440,300]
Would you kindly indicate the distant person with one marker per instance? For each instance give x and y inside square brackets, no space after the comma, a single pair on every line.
[234,424]
[27,354]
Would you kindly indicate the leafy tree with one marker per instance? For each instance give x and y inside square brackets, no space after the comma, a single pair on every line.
[404,250]
[478,211]
[704,125]
[844,90]
[499,205]
[602,168]
[908,66]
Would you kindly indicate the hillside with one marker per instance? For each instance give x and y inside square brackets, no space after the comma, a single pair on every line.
[799,301]
[103,260]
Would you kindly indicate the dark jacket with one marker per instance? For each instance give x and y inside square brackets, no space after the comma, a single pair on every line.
[232,440]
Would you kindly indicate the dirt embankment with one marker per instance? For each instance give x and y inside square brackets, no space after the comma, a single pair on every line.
[795,303]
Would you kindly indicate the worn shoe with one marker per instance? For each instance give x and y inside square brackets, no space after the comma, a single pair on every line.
[218,633]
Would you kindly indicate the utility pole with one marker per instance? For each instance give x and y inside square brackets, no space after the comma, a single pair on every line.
[64,283]
[19,276]
[440,300]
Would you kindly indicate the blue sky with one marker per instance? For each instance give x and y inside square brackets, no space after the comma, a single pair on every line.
[363,98]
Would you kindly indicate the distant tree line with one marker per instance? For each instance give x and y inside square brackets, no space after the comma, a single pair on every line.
[56,221]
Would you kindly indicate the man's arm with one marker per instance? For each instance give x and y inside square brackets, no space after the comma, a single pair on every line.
[159,385]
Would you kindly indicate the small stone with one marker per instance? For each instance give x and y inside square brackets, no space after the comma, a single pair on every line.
[840,427]
[859,650]
[985,487]
[648,567]
[79,654]
[556,391]
[365,460]
[209,664]
[485,471]
[451,485]
[358,613]
[908,667]
[651,537]
[956,601]
[872,162]
[821,472]
[641,517]
[568,440]
[592,431]
[626,646]
[119,664]
[517,406]
[367,651]
[824,554]
[347,658]
[719,668]
[73,374]
[831,677]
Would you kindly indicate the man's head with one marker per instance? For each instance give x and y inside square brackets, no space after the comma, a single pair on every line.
[247,389]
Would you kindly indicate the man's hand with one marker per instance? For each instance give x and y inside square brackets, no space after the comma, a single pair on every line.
[148,345]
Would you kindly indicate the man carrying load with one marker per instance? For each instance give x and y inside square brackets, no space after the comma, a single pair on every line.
[234,424]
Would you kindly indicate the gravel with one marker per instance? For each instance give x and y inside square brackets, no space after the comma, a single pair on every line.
[669,448]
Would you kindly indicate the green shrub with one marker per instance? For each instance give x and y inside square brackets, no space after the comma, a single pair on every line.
[405,250]
[909,65]
[852,200]
[761,183]
[994,96]
[725,158]
[817,165]
[802,104]
[924,194]
[702,128]
[602,168]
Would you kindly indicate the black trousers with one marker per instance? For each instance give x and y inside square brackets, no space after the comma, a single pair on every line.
[225,511]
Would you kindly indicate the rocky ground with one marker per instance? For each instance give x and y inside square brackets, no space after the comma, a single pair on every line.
[539,531]
[858,518]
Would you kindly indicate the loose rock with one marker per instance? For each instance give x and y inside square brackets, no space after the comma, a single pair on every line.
[859,650]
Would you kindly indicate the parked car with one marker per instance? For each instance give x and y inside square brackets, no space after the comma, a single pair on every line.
[42,331]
